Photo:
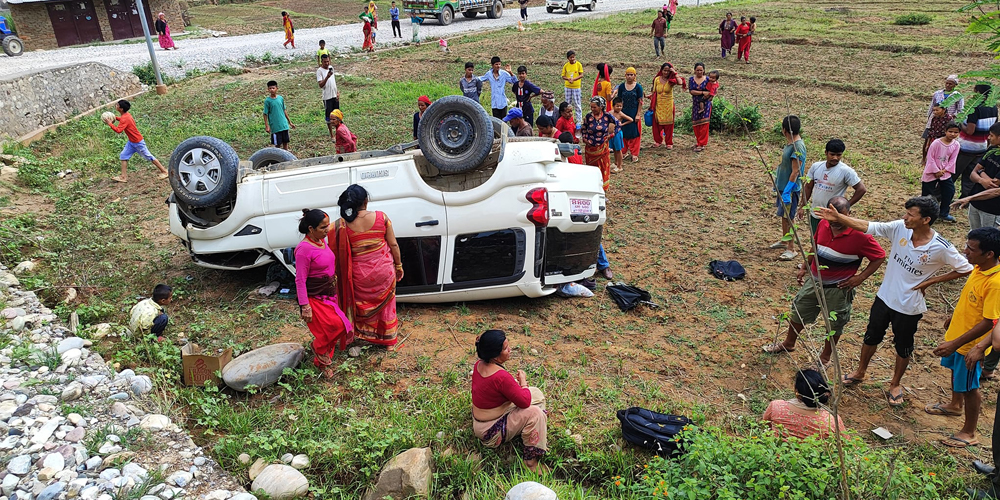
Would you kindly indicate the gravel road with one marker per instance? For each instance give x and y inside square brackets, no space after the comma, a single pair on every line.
[209,53]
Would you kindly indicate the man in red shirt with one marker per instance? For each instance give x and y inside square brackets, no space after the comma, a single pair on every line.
[135,143]
[840,250]
[659,32]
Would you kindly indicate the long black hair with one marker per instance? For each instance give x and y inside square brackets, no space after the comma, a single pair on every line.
[351,200]
[311,218]
[812,388]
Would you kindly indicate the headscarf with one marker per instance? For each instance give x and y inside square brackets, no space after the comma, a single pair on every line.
[599,101]
[489,345]
[952,78]
[338,115]
[160,15]
[630,69]
[424,99]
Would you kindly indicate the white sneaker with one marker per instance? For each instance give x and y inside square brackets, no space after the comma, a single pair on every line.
[778,244]
[787,255]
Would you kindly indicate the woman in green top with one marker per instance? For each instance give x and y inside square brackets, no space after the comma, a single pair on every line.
[368,19]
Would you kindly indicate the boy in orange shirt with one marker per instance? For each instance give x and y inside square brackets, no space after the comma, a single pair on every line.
[135,143]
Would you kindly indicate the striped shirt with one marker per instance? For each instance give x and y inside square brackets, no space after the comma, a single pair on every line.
[842,254]
[983,117]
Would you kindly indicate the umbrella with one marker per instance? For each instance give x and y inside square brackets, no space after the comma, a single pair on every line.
[628,296]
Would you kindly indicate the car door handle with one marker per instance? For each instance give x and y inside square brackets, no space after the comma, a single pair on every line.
[427,223]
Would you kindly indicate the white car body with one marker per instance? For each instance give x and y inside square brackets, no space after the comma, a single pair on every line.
[458,244]
[561,4]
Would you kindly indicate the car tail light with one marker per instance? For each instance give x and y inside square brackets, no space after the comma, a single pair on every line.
[539,213]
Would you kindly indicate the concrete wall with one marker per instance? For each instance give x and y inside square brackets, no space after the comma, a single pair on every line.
[35,28]
[30,101]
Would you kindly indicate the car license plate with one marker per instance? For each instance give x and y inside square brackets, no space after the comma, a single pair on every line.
[579,206]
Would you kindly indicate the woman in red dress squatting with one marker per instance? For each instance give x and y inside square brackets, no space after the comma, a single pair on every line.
[368,264]
[316,287]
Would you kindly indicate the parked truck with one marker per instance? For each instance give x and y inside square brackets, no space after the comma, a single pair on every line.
[445,10]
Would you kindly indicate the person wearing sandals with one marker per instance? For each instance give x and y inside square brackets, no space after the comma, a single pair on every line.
[504,407]
[316,288]
[801,416]
[788,181]
[968,337]
[839,250]
[917,252]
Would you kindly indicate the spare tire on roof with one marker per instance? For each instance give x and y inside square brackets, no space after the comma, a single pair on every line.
[455,134]
[499,125]
[203,171]
[270,156]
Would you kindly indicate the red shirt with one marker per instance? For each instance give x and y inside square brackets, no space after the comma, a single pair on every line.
[842,254]
[497,389]
[576,158]
[127,124]
[564,125]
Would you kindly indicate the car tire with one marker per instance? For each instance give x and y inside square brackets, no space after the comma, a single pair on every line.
[470,14]
[455,134]
[550,9]
[570,8]
[593,4]
[498,125]
[203,171]
[446,16]
[270,156]
[496,10]
[13,46]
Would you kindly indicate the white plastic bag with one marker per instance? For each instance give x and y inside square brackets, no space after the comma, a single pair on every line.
[574,290]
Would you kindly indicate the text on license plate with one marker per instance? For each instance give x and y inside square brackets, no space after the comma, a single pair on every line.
[579,206]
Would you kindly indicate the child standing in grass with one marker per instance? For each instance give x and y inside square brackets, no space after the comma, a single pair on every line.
[276,121]
[939,168]
[321,52]
[935,127]
[572,73]
[617,142]
[135,143]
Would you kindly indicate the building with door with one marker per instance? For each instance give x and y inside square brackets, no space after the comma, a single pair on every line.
[47,24]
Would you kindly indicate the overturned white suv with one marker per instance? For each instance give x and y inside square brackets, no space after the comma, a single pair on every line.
[478,213]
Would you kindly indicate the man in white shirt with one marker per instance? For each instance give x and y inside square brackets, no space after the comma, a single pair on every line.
[917,253]
[328,82]
[830,178]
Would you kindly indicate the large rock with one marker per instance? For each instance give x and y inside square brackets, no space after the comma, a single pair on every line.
[408,474]
[262,367]
[281,482]
[530,491]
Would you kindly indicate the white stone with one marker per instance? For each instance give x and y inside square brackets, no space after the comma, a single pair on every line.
[9,483]
[19,465]
[243,496]
[100,330]
[90,493]
[300,462]
[7,409]
[218,495]
[119,409]
[54,461]
[281,482]
[75,418]
[70,343]
[155,422]
[72,392]
[243,458]
[180,478]
[24,267]
[141,385]
[135,470]
[287,458]
[94,462]
[72,356]
[109,474]
[530,490]
[262,367]
[46,431]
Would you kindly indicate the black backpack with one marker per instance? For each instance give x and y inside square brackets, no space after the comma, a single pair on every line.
[728,270]
[653,431]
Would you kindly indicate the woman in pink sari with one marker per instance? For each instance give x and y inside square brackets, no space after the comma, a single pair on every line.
[163,32]
[368,265]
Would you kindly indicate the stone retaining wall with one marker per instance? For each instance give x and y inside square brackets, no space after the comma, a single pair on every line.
[31,101]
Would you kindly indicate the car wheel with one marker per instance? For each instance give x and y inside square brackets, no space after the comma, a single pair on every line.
[593,4]
[270,156]
[470,14]
[203,171]
[499,125]
[570,8]
[550,9]
[496,11]
[455,134]
[13,46]
[446,16]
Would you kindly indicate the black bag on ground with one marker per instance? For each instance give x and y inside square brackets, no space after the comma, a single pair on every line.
[653,431]
[728,270]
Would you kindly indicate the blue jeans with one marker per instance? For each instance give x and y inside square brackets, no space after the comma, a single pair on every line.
[159,324]
[658,44]
[602,259]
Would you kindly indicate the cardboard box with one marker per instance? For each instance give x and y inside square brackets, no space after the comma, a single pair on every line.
[200,367]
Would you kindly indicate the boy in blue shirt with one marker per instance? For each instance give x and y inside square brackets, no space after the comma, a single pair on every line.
[276,121]
[396,30]
[498,78]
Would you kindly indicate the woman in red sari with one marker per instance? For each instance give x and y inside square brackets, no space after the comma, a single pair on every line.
[598,128]
[369,19]
[743,40]
[369,266]
[316,288]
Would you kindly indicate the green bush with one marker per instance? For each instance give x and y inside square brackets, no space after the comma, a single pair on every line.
[727,118]
[758,465]
[37,174]
[912,20]
[148,76]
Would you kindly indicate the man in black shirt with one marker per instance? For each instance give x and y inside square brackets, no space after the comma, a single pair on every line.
[986,175]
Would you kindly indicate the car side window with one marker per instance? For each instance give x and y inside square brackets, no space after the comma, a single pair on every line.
[421,262]
[488,255]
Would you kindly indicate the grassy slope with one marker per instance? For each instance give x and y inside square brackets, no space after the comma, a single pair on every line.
[265,16]
[693,356]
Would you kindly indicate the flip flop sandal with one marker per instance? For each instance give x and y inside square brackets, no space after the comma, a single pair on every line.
[119,179]
[896,401]
[852,381]
[776,348]
[937,409]
[954,442]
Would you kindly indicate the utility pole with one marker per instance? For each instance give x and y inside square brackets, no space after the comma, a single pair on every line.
[160,87]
